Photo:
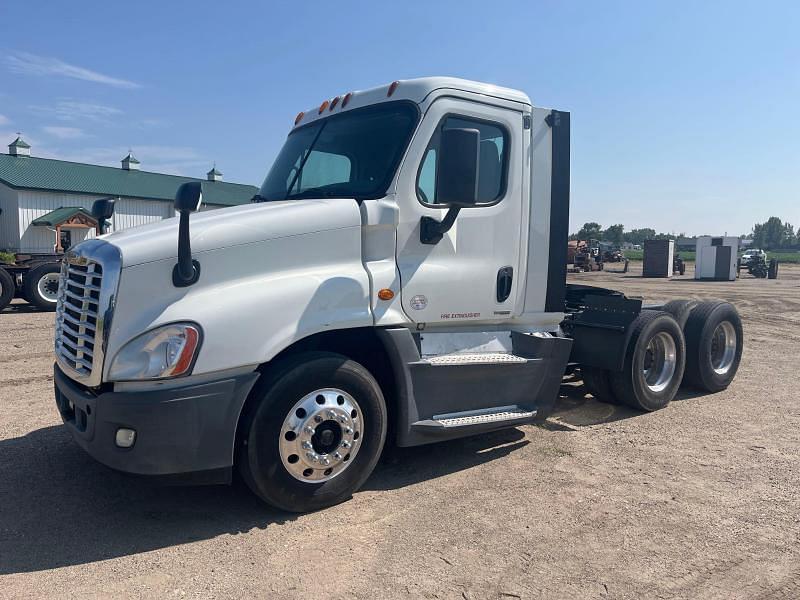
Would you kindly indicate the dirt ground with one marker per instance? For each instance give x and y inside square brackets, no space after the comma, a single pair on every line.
[700,500]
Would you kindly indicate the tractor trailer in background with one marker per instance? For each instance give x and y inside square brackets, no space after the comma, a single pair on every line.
[400,278]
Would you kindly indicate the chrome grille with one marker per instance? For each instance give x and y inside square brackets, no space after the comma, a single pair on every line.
[86,290]
[77,314]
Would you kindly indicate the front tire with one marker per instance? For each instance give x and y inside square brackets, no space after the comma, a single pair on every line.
[654,362]
[314,433]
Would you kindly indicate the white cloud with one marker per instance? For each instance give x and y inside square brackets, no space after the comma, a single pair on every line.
[4,120]
[64,133]
[31,64]
[72,110]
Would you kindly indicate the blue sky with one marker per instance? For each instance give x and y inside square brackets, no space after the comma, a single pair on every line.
[684,114]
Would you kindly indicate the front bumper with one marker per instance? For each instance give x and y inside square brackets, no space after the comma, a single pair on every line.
[188,432]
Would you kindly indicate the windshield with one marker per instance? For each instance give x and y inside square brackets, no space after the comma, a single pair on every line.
[349,155]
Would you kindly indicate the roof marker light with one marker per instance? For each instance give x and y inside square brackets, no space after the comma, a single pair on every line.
[392,88]
[323,106]
[334,102]
[346,99]
[299,117]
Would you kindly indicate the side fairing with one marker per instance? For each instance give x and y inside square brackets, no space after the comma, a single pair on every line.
[254,299]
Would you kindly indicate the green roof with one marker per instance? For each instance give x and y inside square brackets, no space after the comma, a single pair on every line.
[60,215]
[61,176]
[20,143]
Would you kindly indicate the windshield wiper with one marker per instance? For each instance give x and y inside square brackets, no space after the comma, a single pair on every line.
[303,162]
[317,192]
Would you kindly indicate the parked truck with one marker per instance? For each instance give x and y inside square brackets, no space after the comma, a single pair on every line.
[33,277]
[400,278]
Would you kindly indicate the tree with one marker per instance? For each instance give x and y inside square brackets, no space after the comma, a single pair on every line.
[638,236]
[773,234]
[590,231]
[614,234]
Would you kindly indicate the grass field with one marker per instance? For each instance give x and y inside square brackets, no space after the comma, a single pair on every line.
[784,257]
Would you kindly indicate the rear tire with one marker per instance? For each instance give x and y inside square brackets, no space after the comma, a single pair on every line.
[772,271]
[7,288]
[299,480]
[680,310]
[654,362]
[714,342]
[598,385]
[40,286]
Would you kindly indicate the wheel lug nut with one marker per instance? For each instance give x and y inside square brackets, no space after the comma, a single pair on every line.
[307,445]
[348,430]
[326,461]
[331,414]
[318,418]
[337,456]
[342,419]
[308,430]
[345,444]
[311,456]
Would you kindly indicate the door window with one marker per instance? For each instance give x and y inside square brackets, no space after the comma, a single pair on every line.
[491,168]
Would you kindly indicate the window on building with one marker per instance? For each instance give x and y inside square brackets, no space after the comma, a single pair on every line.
[491,169]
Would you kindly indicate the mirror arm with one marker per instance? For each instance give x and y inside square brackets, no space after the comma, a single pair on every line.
[187,271]
[431,231]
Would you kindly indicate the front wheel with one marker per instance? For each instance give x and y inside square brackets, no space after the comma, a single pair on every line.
[314,432]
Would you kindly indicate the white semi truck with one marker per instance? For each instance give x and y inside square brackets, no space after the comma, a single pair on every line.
[400,277]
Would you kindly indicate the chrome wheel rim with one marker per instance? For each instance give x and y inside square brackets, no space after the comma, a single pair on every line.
[723,348]
[321,435]
[48,287]
[660,362]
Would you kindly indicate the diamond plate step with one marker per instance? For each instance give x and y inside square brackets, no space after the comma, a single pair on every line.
[499,414]
[481,358]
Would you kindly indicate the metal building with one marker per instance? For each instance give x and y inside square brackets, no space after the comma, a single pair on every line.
[41,199]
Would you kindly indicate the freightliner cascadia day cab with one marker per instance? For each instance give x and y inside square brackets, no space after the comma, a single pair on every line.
[400,278]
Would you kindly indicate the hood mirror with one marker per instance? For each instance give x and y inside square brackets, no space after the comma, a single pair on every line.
[102,211]
[188,199]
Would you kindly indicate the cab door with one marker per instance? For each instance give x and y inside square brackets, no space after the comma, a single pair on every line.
[473,273]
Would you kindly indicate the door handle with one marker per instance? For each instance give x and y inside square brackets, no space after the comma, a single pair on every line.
[505,277]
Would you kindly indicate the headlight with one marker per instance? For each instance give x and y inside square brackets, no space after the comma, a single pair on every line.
[166,351]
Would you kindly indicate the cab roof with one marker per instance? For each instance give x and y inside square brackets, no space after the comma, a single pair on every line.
[415,90]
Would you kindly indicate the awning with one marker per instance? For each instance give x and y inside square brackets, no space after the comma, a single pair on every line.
[67,216]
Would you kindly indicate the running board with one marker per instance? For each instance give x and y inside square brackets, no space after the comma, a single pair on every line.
[476,419]
[477,358]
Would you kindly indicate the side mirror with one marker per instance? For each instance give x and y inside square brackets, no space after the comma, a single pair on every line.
[187,200]
[457,165]
[102,210]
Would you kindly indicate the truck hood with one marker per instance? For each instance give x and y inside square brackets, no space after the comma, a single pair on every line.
[235,226]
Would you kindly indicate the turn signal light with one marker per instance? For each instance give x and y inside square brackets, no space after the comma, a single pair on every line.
[346,99]
[299,117]
[385,294]
[323,106]
[392,88]
[334,102]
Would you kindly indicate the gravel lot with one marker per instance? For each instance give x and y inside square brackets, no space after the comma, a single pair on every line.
[699,500]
